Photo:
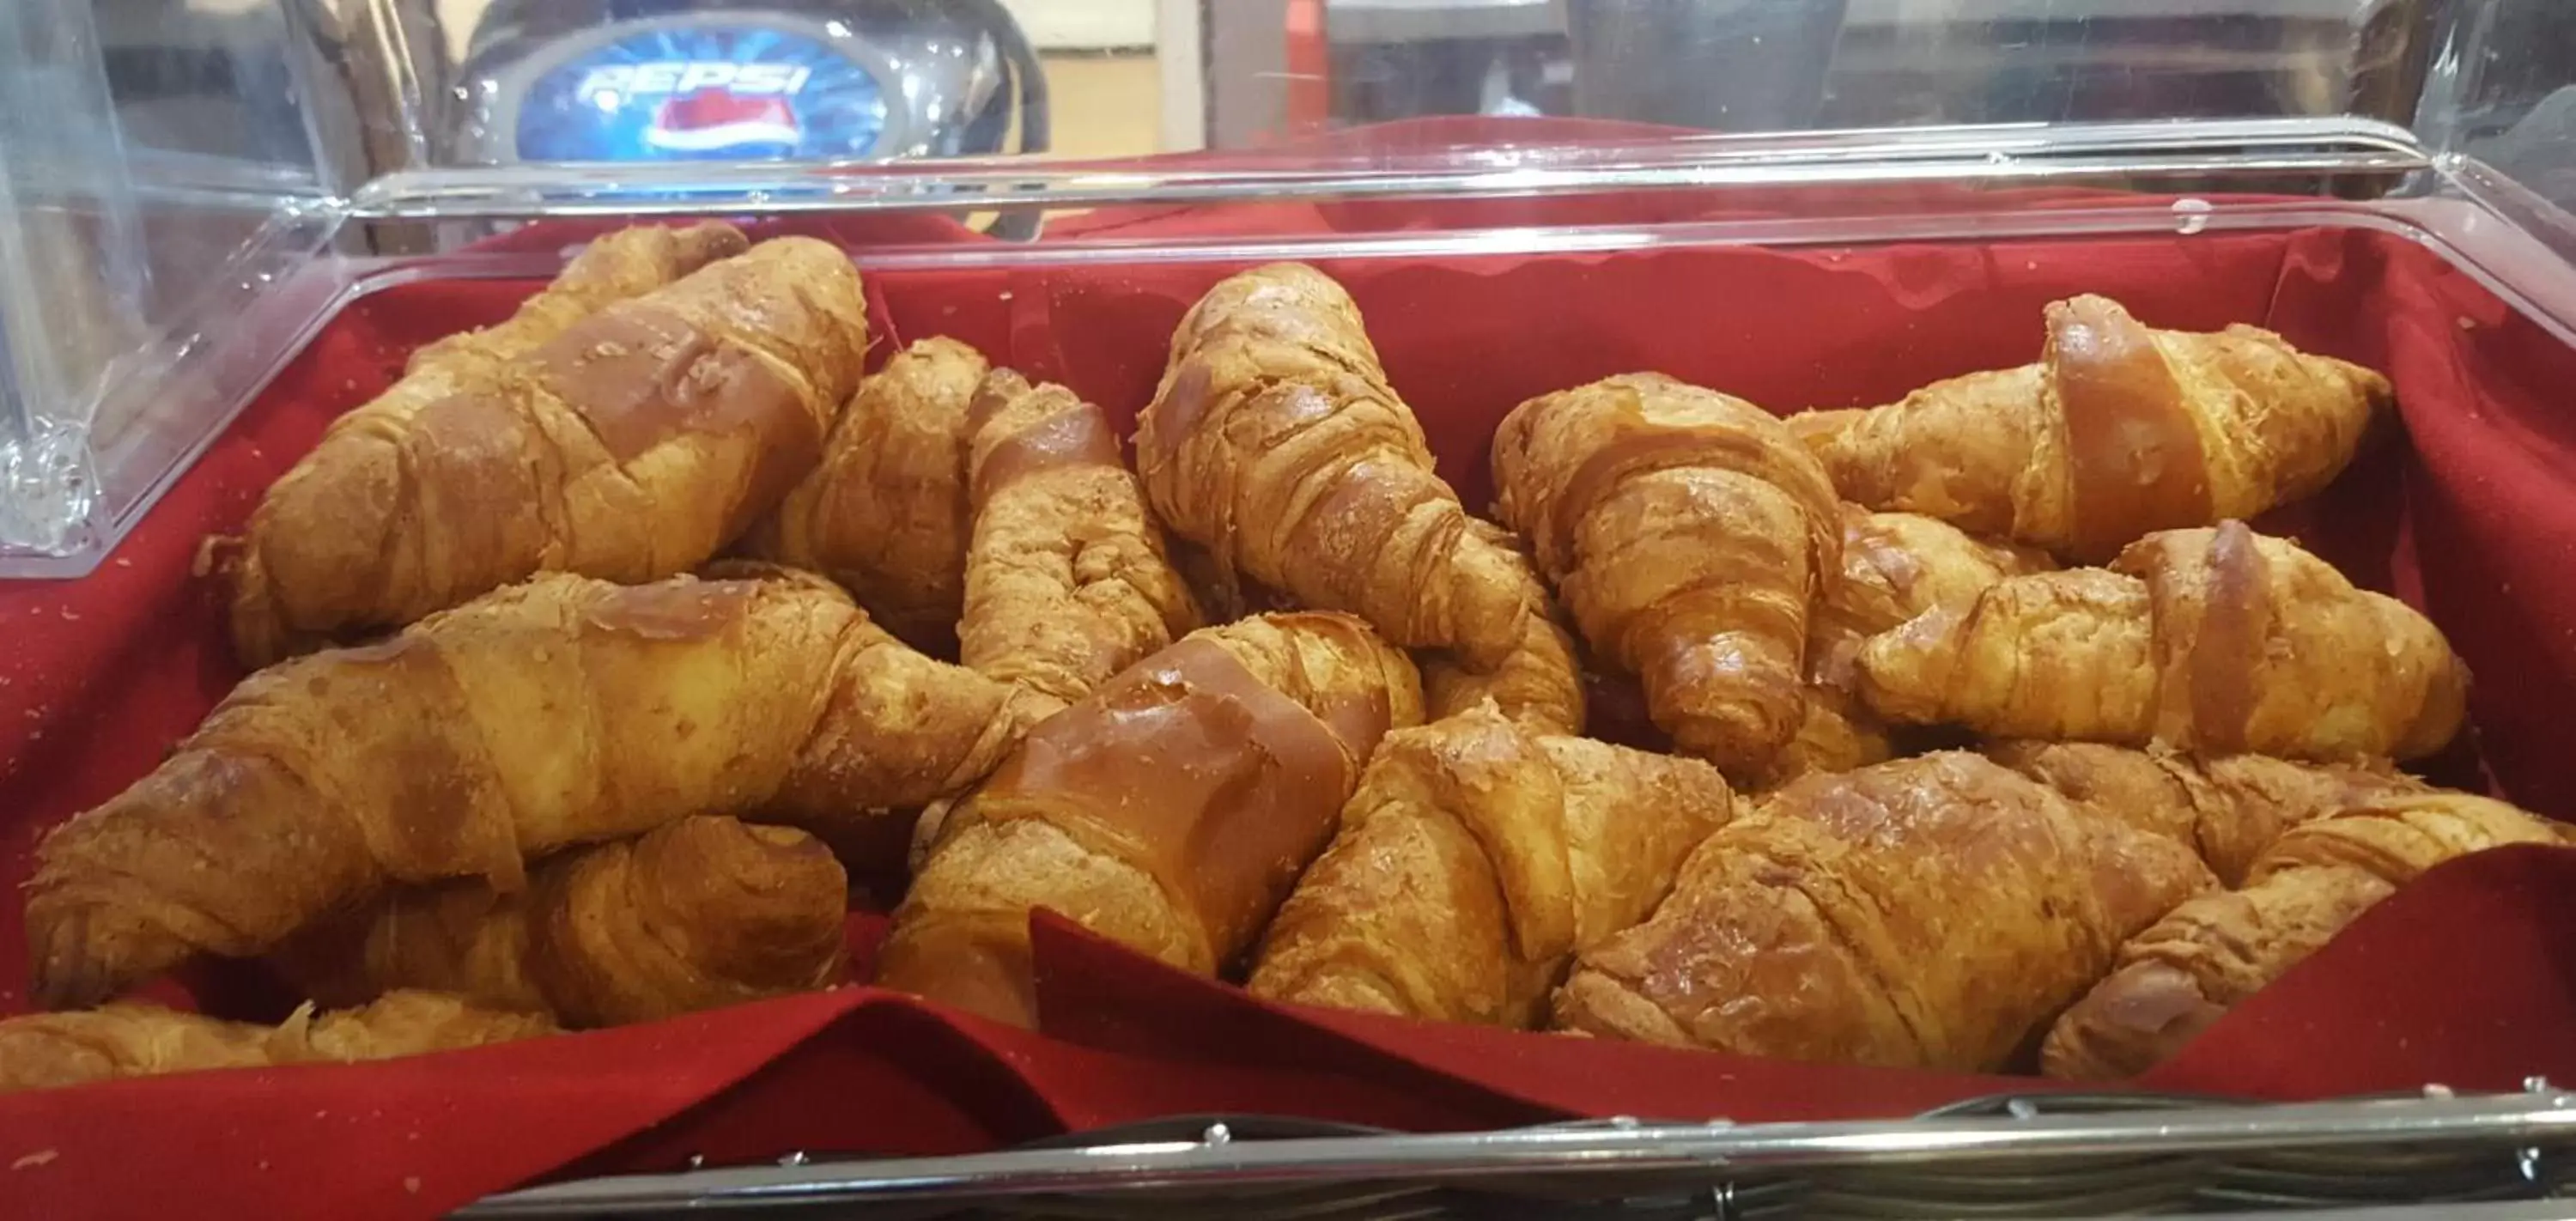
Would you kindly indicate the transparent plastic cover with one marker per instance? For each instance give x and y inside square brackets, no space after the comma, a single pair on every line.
[185,183]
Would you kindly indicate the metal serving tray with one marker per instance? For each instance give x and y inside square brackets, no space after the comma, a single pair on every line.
[87,445]
[2015,1156]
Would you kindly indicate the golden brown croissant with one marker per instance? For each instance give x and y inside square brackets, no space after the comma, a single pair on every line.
[886,513]
[1688,532]
[1170,811]
[1931,912]
[555,712]
[1275,442]
[1472,863]
[2218,641]
[2179,976]
[2229,809]
[629,446]
[702,912]
[1895,566]
[1067,582]
[627,263]
[2119,431]
[616,266]
[47,1050]
[1538,684]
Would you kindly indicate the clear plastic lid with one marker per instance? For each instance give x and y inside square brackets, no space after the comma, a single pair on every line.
[187,186]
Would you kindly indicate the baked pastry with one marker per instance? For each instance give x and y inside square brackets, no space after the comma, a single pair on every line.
[1067,582]
[49,1050]
[2217,641]
[1275,442]
[1932,912]
[1170,811]
[2176,978]
[2119,431]
[2229,809]
[1895,566]
[886,513]
[1539,683]
[1689,534]
[629,445]
[1475,859]
[555,712]
[703,912]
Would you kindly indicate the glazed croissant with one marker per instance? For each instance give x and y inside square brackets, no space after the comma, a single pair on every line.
[1067,579]
[699,913]
[2184,973]
[2119,431]
[555,712]
[886,513]
[627,263]
[1472,863]
[1067,582]
[1895,566]
[48,1050]
[628,446]
[1688,533]
[614,267]
[1275,442]
[1170,811]
[2218,641]
[1931,912]
[2229,809]
[1538,683]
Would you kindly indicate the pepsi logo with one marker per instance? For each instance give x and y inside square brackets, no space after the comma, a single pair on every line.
[712,119]
[703,92]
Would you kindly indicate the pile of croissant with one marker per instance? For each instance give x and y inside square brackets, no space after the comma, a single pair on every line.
[600,653]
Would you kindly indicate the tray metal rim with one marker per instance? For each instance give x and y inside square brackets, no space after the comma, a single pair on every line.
[2541,1114]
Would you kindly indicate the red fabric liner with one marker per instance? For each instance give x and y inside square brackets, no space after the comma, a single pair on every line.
[2468,978]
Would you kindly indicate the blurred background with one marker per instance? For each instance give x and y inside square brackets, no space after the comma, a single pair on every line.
[244,101]
[1124,77]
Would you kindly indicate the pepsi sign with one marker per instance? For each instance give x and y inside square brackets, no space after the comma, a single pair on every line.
[703,92]
[611,84]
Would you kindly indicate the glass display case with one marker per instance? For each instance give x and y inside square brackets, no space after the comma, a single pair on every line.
[221,221]
[187,180]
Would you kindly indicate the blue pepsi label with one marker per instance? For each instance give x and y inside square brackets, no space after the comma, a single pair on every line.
[703,93]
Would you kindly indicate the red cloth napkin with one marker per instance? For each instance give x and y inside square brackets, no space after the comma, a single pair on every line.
[2465,978]
[2467,510]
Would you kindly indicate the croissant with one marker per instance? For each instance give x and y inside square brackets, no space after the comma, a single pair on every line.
[613,267]
[1067,582]
[1275,442]
[1472,863]
[1688,533]
[1538,684]
[2217,641]
[1170,811]
[550,713]
[2174,979]
[627,263]
[886,514]
[49,1050]
[2119,431]
[1895,566]
[696,914]
[1931,912]
[630,445]
[2230,809]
